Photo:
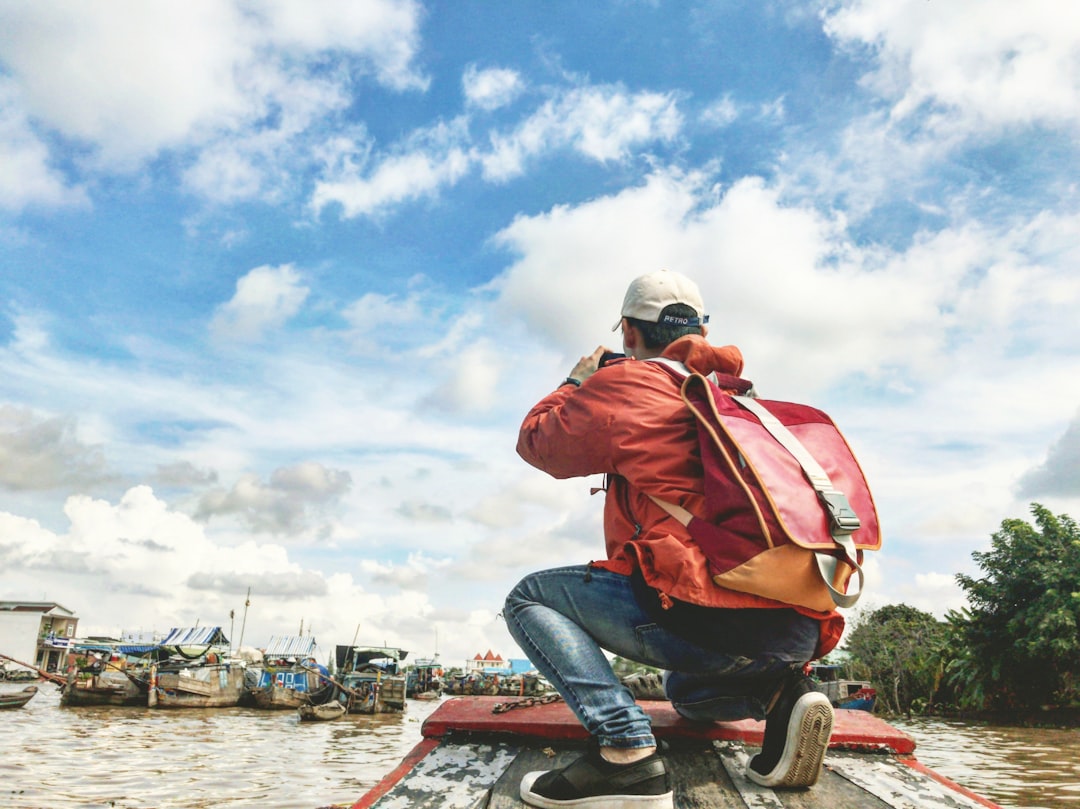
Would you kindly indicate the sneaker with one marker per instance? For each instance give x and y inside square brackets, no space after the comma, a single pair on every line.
[592,781]
[797,731]
[647,685]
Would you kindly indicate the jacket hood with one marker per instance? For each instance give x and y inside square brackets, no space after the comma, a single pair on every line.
[701,357]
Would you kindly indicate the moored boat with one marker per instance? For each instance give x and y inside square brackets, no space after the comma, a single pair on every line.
[16,699]
[104,674]
[370,679]
[321,713]
[856,695]
[289,675]
[472,756]
[424,679]
[198,672]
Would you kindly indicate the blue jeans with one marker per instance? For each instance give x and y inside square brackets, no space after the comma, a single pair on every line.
[563,618]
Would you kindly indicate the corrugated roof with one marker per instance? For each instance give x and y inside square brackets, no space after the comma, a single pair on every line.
[195,636]
[291,646]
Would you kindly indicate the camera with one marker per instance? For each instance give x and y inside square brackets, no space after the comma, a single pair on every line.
[608,356]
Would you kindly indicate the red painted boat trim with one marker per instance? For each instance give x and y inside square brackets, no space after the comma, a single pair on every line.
[915,764]
[414,757]
[853,730]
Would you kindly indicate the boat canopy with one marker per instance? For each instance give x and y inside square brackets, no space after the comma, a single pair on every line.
[291,646]
[361,655]
[195,636]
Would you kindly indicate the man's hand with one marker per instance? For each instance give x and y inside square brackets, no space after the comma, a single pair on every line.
[587,366]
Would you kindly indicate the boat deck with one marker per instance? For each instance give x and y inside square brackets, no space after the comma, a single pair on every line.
[472,758]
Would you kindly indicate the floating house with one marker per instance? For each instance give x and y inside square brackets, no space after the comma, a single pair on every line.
[372,679]
[290,675]
[37,633]
[198,673]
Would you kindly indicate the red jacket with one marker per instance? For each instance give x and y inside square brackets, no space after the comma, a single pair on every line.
[628,421]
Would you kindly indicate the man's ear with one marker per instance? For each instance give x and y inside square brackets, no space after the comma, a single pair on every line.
[631,336]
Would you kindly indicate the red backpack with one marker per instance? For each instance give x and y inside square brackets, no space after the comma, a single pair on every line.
[788,512]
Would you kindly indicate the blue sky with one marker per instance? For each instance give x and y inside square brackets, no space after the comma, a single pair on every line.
[278,282]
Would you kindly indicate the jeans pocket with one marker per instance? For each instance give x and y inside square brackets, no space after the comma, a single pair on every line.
[662,648]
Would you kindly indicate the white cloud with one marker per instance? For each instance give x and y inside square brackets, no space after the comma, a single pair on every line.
[26,177]
[134,78]
[140,77]
[602,123]
[720,113]
[39,452]
[137,564]
[969,64]
[599,123]
[397,179]
[266,297]
[490,88]
[294,497]
[469,381]
[1059,474]
[384,32]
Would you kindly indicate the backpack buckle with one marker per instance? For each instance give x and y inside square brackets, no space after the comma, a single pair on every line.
[841,514]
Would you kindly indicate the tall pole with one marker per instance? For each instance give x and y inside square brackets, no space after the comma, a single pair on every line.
[243,624]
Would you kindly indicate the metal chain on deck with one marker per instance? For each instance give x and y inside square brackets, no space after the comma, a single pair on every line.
[528,702]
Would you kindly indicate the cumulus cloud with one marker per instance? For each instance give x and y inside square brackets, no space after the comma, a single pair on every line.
[972,65]
[44,452]
[490,88]
[26,176]
[291,584]
[236,83]
[1059,474]
[412,575]
[598,123]
[287,504]
[266,297]
[813,288]
[184,474]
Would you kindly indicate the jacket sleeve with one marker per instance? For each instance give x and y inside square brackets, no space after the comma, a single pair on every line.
[568,432]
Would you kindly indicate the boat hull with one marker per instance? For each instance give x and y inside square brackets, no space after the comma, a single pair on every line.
[103,689]
[321,713]
[217,686]
[17,699]
[470,756]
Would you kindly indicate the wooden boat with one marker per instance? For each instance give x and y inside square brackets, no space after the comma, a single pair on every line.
[104,688]
[370,679]
[471,756]
[198,672]
[289,675]
[321,713]
[16,699]
[424,679]
[856,695]
[204,684]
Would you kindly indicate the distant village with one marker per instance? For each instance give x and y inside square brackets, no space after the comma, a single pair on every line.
[201,667]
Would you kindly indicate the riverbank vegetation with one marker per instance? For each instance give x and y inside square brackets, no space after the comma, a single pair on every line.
[1015,648]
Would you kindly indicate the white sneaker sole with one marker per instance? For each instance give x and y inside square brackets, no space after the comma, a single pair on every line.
[808,732]
[665,801]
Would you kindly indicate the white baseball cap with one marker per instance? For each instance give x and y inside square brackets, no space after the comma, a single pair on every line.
[649,294]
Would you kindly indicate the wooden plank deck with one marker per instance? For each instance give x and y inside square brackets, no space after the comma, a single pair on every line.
[471,758]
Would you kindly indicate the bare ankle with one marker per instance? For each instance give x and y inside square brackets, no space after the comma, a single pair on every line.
[625,755]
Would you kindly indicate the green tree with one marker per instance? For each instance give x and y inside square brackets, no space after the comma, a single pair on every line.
[1021,631]
[900,649]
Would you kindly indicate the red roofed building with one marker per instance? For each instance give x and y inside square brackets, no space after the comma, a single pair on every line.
[487,661]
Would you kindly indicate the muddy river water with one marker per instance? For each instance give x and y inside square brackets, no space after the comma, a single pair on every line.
[135,758]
